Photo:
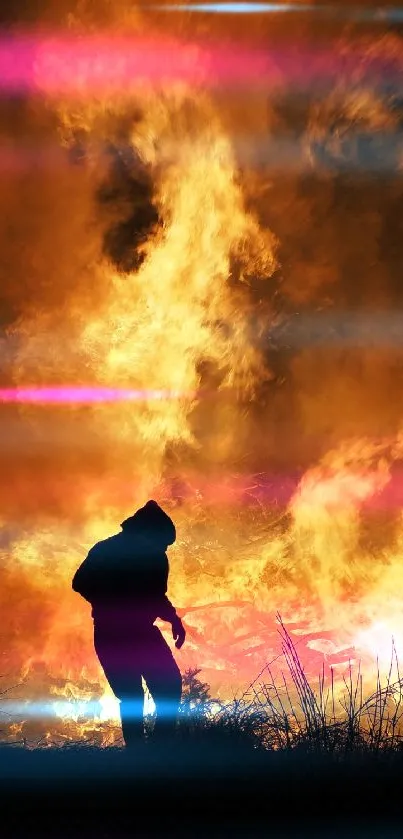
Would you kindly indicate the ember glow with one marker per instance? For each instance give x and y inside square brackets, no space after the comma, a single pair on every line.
[189,326]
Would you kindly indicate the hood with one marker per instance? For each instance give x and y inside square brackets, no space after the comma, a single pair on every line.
[153,523]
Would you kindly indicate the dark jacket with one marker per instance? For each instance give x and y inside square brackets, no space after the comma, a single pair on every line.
[125,578]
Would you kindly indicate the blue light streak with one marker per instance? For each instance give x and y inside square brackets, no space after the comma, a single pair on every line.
[237,8]
[366,14]
[77,710]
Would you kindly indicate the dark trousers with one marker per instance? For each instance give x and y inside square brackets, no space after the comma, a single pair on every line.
[124,661]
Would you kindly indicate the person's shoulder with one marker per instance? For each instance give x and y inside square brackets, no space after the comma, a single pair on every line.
[105,545]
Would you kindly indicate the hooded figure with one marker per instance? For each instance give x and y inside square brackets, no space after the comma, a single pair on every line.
[125,578]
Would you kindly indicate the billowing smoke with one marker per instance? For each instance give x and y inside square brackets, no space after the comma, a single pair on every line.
[240,245]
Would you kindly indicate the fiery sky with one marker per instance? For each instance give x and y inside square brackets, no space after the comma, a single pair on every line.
[206,207]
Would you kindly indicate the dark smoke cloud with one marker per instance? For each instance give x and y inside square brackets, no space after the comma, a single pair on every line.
[332,201]
[129,187]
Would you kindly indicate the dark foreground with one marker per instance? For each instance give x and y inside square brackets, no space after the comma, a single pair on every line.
[194,791]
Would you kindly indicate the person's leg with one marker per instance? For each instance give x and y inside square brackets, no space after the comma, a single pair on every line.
[131,712]
[124,676]
[164,681]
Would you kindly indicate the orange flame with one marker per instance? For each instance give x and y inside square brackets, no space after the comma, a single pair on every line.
[182,320]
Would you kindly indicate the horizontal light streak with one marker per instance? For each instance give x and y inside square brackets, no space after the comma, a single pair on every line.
[60,708]
[274,153]
[359,13]
[380,330]
[61,65]
[74,710]
[331,329]
[82,395]
[274,491]
[235,8]
[65,65]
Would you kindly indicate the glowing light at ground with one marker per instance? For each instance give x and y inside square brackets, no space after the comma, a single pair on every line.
[382,641]
[102,710]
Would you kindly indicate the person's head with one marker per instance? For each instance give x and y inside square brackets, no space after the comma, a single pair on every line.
[151,523]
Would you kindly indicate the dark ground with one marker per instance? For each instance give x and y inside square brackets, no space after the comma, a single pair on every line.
[194,792]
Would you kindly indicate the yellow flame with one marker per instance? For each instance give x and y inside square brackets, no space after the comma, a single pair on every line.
[188,303]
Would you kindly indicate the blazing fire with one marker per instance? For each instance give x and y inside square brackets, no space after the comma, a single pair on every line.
[154,346]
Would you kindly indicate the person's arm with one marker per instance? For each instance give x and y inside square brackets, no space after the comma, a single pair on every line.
[166,610]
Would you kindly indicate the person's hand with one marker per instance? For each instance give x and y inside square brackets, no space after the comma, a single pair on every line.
[178,633]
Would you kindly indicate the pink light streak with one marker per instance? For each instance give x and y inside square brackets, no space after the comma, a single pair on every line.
[58,65]
[82,395]
[64,65]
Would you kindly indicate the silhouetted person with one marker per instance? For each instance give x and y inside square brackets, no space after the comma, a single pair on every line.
[125,579]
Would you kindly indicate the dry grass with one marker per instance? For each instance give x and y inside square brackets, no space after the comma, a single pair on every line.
[293,716]
[290,715]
